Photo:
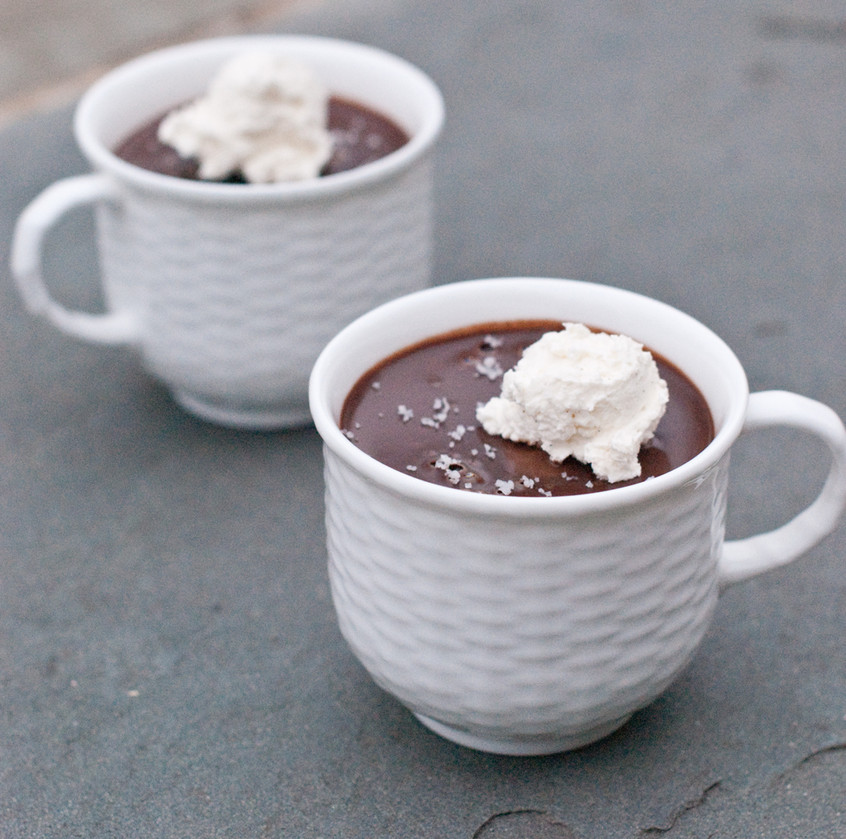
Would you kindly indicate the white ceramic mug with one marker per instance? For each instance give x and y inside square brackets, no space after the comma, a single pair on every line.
[229,291]
[535,625]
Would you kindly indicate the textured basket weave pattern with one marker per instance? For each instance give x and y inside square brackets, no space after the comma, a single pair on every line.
[236,302]
[507,627]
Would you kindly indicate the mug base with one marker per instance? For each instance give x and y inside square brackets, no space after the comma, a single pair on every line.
[244,418]
[524,746]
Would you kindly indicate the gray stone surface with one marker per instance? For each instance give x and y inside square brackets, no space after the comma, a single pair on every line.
[169,660]
[58,44]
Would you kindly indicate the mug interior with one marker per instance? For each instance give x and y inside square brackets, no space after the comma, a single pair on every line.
[689,344]
[143,89]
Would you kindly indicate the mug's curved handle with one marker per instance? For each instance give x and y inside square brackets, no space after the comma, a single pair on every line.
[744,558]
[27,247]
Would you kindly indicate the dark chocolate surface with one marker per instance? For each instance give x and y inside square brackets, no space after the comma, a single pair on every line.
[360,135]
[419,406]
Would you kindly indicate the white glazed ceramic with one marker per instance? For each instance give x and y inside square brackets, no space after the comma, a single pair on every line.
[228,291]
[535,625]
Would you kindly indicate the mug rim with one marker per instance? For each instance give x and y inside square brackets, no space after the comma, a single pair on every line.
[472,503]
[102,157]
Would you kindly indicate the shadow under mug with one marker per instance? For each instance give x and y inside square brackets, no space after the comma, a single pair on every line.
[229,291]
[536,625]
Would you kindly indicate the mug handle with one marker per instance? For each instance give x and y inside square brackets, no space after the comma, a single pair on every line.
[744,558]
[27,247]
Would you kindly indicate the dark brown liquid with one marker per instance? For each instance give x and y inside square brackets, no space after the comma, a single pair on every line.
[439,381]
[360,135]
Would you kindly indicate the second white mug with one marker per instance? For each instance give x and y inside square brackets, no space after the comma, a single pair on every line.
[229,291]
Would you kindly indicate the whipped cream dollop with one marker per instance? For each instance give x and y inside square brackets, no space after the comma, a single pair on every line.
[593,395]
[264,115]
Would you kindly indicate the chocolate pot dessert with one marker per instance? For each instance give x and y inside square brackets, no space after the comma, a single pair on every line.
[360,135]
[264,118]
[416,412]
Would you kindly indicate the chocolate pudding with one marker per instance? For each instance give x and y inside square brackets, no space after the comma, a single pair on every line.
[416,412]
[360,135]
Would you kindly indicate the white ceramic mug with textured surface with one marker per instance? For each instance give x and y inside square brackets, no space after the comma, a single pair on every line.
[535,625]
[229,291]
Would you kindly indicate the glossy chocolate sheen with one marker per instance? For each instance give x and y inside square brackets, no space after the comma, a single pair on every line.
[420,404]
[360,135]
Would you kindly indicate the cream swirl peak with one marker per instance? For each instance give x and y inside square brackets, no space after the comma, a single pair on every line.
[264,115]
[592,395]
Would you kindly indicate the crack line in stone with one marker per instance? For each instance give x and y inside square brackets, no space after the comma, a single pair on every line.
[691,804]
[831,747]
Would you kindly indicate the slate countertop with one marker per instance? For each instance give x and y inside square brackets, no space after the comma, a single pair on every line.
[170,664]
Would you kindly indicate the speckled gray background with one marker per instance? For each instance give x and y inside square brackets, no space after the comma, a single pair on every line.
[169,660]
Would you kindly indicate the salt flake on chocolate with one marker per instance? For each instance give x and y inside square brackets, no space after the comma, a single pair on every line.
[451,468]
[489,367]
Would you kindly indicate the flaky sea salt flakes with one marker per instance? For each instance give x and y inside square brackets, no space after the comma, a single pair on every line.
[489,367]
[490,451]
[504,487]
[492,342]
[451,468]
[458,433]
[405,412]
[441,408]
[527,481]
